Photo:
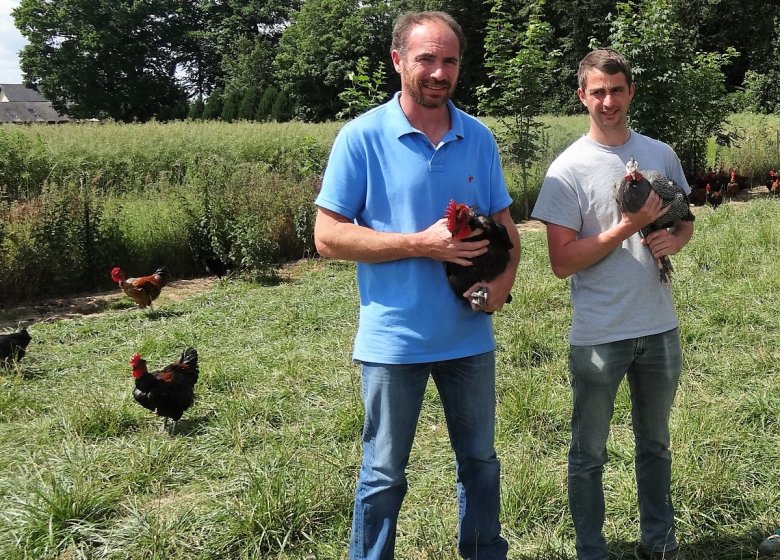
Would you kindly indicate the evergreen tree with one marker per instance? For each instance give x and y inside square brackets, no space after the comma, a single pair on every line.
[230,105]
[266,104]
[196,109]
[248,106]
[213,108]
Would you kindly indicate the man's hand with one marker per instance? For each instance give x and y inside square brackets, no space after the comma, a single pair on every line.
[441,246]
[651,210]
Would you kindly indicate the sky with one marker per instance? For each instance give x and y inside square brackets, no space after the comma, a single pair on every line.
[11,42]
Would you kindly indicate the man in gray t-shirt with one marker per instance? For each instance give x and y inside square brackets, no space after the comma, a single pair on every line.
[624,322]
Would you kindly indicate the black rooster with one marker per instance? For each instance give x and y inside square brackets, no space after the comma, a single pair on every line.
[462,221]
[170,391]
[13,346]
[633,192]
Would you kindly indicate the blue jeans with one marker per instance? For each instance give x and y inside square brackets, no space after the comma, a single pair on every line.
[652,365]
[392,397]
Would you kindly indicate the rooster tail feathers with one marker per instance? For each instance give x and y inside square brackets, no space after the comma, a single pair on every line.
[189,358]
[162,273]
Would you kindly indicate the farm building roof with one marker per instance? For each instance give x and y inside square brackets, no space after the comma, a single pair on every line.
[19,104]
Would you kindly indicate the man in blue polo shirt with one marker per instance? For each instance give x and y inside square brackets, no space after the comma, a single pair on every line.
[389,179]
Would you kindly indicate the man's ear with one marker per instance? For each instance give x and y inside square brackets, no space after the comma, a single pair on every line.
[581,95]
[396,57]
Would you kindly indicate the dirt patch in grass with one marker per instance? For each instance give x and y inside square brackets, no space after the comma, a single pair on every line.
[96,303]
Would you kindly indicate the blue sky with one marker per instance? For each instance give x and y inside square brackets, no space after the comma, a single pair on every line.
[11,42]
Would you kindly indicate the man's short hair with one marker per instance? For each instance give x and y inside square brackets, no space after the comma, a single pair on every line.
[605,60]
[403,26]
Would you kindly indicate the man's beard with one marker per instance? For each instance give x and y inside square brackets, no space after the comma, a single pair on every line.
[416,91]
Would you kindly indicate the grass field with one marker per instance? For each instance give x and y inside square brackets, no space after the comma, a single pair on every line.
[264,464]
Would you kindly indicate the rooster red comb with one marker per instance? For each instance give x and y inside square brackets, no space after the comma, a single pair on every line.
[458,215]
[136,359]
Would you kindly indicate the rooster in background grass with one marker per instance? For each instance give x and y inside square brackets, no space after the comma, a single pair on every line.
[170,391]
[144,289]
[462,221]
[714,196]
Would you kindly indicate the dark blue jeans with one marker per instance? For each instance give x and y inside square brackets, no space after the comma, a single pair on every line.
[652,366]
[392,397]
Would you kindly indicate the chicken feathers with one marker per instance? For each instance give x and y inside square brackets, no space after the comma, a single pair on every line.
[632,192]
[144,289]
[462,221]
[13,346]
[169,391]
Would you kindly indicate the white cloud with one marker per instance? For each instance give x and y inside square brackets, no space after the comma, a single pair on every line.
[11,42]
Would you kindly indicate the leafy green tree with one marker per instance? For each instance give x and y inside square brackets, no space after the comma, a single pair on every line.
[575,25]
[365,92]
[750,26]
[680,94]
[520,66]
[323,44]
[103,58]
[238,39]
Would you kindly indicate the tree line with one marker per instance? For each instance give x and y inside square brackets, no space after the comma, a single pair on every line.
[284,59]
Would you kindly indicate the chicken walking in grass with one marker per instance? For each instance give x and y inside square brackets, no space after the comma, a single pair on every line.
[13,346]
[632,194]
[167,392]
[463,221]
[144,289]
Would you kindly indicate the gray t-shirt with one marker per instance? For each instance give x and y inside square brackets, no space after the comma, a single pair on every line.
[621,296]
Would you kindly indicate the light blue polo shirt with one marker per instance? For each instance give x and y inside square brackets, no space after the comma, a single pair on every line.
[386,175]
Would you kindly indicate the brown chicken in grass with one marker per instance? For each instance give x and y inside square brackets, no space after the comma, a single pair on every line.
[144,289]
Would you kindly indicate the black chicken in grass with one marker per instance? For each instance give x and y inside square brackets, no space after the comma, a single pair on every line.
[13,346]
[462,221]
[632,194]
[170,391]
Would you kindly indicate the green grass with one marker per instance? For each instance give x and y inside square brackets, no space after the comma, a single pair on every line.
[264,464]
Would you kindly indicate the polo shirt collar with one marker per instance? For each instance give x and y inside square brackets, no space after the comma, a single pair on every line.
[400,126]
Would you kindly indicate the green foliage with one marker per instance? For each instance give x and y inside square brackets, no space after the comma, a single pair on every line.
[214,103]
[146,195]
[23,163]
[283,109]
[364,92]
[248,107]
[520,66]
[680,95]
[230,106]
[762,94]
[266,103]
[196,109]
[323,44]
[80,56]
